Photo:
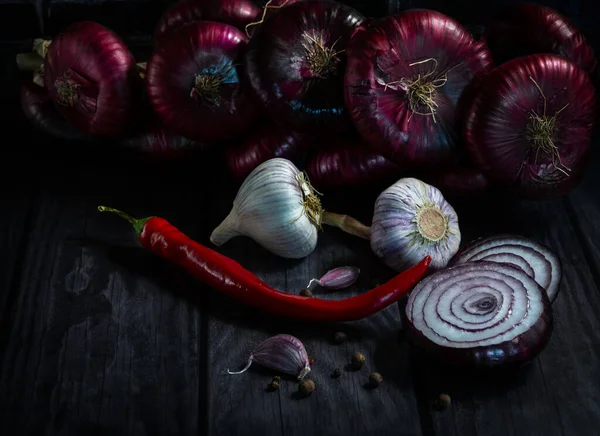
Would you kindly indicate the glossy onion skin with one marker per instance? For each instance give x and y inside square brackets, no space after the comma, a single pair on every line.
[278,71]
[478,277]
[382,54]
[160,142]
[524,29]
[170,75]
[348,164]
[263,143]
[496,122]
[459,181]
[238,13]
[40,111]
[98,60]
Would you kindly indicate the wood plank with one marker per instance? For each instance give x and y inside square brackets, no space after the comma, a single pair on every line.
[554,395]
[105,336]
[338,406]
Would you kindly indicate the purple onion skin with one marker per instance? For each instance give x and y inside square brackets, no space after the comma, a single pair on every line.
[495,126]
[508,354]
[350,163]
[40,111]
[278,71]
[238,13]
[381,54]
[458,181]
[97,60]
[524,29]
[159,142]
[195,48]
[263,143]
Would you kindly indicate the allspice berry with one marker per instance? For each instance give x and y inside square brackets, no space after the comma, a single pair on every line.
[340,337]
[358,360]
[306,387]
[274,385]
[444,401]
[306,293]
[375,379]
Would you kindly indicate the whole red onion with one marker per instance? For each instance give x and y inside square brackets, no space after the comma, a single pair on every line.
[193,82]
[40,111]
[458,181]
[524,29]
[91,77]
[296,63]
[530,124]
[265,142]
[349,163]
[404,78]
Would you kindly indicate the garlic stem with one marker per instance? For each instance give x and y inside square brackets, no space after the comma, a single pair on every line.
[347,224]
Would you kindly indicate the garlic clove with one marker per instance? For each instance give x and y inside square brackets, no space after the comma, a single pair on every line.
[283,353]
[277,208]
[338,278]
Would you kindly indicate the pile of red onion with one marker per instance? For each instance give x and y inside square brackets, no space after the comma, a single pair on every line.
[352,100]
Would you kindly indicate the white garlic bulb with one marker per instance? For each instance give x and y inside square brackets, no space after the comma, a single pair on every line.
[411,220]
[277,208]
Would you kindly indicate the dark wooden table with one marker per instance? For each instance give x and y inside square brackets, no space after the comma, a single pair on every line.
[100,337]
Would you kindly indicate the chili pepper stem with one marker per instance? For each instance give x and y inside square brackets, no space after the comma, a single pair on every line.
[347,224]
[138,224]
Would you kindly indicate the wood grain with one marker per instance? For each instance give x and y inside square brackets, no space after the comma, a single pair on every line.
[553,395]
[105,335]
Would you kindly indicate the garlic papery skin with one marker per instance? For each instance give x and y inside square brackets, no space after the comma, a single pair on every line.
[277,208]
[412,220]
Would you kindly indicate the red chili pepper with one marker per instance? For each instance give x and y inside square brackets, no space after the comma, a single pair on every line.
[228,276]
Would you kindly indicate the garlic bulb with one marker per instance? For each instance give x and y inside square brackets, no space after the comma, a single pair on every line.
[277,208]
[411,220]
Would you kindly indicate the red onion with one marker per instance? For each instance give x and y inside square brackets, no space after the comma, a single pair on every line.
[265,142]
[92,79]
[296,63]
[458,181]
[530,125]
[404,78]
[243,14]
[535,259]
[193,82]
[484,314]
[348,164]
[158,141]
[524,29]
[40,111]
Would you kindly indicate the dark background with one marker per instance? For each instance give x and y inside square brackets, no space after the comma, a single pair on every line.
[99,337]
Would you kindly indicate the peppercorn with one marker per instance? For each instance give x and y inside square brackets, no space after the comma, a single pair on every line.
[375,379]
[444,401]
[340,337]
[337,372]
[306,387]
[358,360]
[274,385]
[306,293]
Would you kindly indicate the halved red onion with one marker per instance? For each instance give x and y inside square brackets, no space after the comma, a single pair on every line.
[535,259]
[530,123]
[92,78]
[524,29]
[404,78]
[484,314]
[193,81]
